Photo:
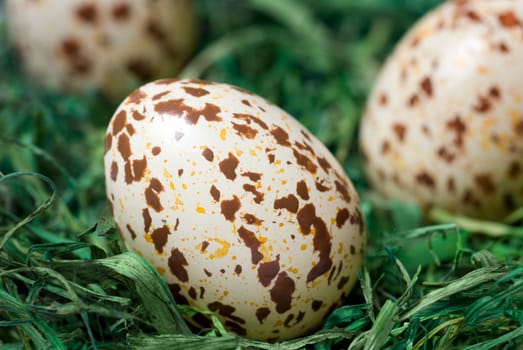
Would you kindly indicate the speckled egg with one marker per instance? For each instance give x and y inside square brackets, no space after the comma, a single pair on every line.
[75,45]
[236,204]
[444,123]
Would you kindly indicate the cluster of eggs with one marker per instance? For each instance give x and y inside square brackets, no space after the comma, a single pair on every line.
[240,208]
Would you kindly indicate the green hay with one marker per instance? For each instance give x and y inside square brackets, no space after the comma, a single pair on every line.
[66,281]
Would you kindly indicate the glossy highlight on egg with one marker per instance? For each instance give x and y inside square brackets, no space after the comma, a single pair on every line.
[444,123]
[240,208]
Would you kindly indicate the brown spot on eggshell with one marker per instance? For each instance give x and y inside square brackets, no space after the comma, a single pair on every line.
[250,118]
[341,188]
[208,154]
[156,150]
[426,86]
[178,108]
[204,246]
[281,136]
[316,305]
[147,220]
[304,161]
[121,11]
[281,293]
[251,219]
[482,105]
[131,231]
[155,30]
[207,273]
[215,193]
[385,147]
[152,197]
[160,95]
[470,199]
[271,158]
[508,19]
[413,100]
[124,146]
[445,154]
[178,296]
[136,97]
[307,220]
[457,126]
[138,116]
[225,311]
[289,202]
[258,196]
[177,264]
[343,281]
[235,327]
[238,269]
[139,167]
[268,271]
[228,166]
[247,103]
[485,183]
[251,241]
[324,164]
[302,190]
[341,217]
[425,179]
[130,129]
[114,170]
[159,237]
[192,293]
[196,92]
[400,130]
[87,13]
[252,175]
[230,207]
[262,313]
[244,130]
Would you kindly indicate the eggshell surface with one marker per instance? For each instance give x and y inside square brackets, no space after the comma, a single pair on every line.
[75,45]
[444,122]
[240,208]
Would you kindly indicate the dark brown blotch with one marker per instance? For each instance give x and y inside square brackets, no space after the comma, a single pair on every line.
[208,154]
[230,207]
[289,202]
[159,237]
[228,166]
[251,241]
[177,264]
[87,13]
[281,293]
[302,190]
[268,271]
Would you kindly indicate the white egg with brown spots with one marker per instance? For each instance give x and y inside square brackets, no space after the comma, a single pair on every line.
[444,123]
[236,204]
[76,45]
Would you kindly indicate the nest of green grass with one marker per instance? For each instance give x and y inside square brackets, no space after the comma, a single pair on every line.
[66,282]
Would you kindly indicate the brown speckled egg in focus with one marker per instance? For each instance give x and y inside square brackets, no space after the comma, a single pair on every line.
[75,45]
[240,208]
[444,122]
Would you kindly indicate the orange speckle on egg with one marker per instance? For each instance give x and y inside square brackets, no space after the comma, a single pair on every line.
[148,238]
[160,270]
[293,270]
[171,185]
[223,134]
[303,246]
[184,186]
[200,210]
[483,70]
[221,251]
